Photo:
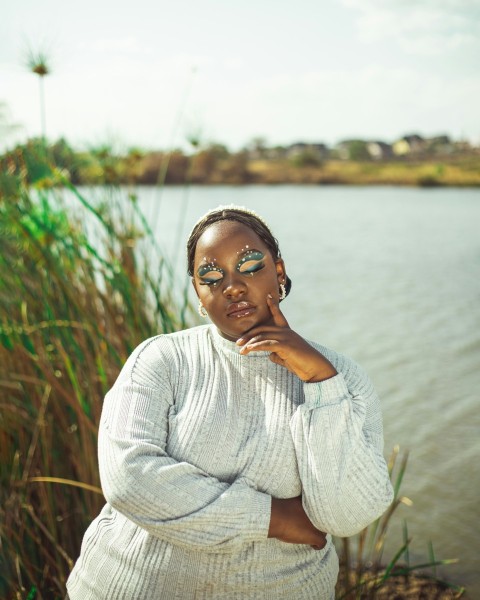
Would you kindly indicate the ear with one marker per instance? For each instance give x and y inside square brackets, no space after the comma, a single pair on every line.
[281,272]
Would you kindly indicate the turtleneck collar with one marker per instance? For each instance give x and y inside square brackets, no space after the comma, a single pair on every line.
[230,347]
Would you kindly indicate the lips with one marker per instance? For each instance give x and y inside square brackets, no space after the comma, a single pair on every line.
[240,309]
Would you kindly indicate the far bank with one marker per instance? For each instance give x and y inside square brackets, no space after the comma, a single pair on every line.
[56,164]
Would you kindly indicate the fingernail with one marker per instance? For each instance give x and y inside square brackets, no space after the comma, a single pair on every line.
[270,296]
[239,342]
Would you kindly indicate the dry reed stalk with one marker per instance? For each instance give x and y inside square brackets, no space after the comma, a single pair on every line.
[71,311]
[362,555]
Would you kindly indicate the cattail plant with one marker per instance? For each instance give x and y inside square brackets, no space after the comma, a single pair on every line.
[38,62]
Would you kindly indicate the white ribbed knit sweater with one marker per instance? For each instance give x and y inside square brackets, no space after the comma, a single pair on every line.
[194,440]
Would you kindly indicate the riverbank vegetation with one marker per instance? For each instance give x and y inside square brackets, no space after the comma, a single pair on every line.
[77,294]
[364,573]
[349,164]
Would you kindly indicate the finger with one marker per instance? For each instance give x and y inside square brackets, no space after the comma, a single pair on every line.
[276,359]
[277,314]
[256,332]
[260,346]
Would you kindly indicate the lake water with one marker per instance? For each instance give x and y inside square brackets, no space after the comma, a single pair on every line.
[391,277]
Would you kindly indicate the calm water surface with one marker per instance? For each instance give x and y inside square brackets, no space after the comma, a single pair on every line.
[391,277]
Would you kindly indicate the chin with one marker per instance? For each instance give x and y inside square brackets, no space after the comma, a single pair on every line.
[229,335]
[237,328]
[233,331]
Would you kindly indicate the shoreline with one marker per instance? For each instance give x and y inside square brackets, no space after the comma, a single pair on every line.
[60,165]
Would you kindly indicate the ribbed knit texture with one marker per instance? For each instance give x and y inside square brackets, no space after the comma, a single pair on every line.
[194,441]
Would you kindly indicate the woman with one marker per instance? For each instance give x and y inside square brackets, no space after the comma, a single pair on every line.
[230,453]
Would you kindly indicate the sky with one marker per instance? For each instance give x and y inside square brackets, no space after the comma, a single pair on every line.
[151,74]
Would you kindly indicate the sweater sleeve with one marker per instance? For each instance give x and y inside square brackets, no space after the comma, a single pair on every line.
[173,500]
[338,438]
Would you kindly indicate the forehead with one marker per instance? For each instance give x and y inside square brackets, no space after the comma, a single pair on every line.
[226,239]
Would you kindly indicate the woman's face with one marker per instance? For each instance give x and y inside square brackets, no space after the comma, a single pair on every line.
[234,271]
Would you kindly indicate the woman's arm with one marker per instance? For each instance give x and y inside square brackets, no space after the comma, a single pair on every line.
[338,439]
[337,432]
[173,500]
[289,523]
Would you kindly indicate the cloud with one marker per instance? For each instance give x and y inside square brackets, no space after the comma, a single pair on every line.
[426,27]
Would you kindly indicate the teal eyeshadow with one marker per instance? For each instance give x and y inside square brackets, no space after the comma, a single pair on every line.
[254,255]
[205,269]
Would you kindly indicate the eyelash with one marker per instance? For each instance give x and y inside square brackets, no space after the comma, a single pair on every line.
[211,282]
[258,267]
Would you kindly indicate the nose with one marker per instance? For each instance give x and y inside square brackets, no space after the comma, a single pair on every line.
[234,286]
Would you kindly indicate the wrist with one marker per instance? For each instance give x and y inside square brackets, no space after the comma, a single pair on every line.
[318,369]
[319,377]
[276,526]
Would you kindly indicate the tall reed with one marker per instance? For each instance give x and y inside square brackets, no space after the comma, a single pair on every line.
[363,570]
[78,291]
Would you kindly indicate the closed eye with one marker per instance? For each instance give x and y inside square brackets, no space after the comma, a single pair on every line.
[252,261]
[211,277]
[251,266]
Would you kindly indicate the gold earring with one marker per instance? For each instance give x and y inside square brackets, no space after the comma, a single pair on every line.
[283,291]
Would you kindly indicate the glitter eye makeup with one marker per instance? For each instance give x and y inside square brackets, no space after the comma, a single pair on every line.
[251,262]
[210,274]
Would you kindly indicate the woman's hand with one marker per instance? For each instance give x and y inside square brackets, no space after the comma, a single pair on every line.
[289,523]
[287,348]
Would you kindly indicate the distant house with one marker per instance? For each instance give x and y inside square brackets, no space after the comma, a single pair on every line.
[352,150]
[409,144]
[342,149]
[275,153]
[318,150]
[379,150]
[441,140]
[440,144]
[464,146]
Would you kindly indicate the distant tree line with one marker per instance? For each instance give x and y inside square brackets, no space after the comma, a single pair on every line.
[50,164]
[34,162]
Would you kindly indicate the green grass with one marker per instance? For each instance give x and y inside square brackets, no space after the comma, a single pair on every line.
[72,309]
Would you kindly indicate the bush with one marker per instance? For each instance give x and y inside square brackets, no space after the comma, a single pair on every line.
[307,158]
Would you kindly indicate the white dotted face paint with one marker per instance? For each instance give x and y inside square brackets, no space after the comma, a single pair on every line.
[251,262]
[210,274]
